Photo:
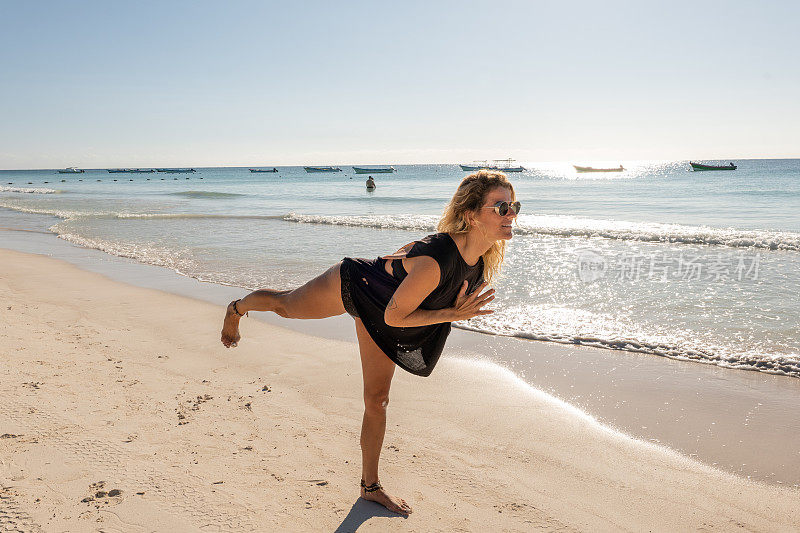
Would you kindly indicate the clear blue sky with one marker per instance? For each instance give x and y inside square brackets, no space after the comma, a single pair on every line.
[198,83]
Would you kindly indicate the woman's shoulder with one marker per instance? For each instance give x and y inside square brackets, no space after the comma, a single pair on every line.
[439,246]
[434,244]
[438,240]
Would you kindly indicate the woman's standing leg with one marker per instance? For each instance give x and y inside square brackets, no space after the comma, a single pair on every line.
[377,370]
[319,298]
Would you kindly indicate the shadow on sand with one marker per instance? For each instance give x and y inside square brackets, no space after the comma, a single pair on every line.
[360,512]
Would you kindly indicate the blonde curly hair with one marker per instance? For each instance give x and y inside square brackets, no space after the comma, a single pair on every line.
[469,197]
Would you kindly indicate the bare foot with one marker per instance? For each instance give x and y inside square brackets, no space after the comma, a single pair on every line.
[230,328]
[397,505]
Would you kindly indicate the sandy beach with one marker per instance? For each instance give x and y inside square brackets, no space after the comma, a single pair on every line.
[121,411]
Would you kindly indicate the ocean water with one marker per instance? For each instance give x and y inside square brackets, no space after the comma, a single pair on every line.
[702,266]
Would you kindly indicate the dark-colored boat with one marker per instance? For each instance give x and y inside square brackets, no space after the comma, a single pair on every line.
[699,166]
[263,170]
[176,170]
[592,169]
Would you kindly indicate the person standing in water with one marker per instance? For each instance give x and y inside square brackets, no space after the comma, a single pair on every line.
[370,183]
[403,303]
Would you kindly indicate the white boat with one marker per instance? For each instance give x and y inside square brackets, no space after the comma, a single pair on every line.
[502,165]
[71,170]
[322,169]
[374,170]
[593,169]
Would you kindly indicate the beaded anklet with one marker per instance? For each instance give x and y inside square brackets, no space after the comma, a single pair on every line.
[371,488]
[236,309]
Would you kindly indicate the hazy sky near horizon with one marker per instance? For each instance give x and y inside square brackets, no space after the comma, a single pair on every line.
[202,83]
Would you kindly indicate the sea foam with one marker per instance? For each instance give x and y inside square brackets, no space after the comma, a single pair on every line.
[780,364]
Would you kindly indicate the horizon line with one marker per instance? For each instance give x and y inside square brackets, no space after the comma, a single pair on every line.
[415,164]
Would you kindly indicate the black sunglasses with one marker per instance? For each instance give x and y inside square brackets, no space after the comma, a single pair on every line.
[501,208]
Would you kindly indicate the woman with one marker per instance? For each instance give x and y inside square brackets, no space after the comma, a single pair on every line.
[403,303]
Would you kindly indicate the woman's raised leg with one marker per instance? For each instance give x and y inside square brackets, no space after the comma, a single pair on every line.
[377,370]
[319,298]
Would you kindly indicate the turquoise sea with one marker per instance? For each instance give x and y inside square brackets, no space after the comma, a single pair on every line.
[702,266]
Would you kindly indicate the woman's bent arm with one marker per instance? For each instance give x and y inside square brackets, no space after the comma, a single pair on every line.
[423,277]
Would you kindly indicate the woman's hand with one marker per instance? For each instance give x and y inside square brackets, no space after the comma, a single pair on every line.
[470,305]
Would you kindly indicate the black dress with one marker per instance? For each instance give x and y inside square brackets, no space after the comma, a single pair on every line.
[367,288]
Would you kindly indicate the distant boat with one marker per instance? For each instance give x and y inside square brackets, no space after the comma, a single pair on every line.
[71,170]
[263,170]
[592,169]
[699,166]
[322,169]
[371,170]
[502,165]
[176,170]
[130,170]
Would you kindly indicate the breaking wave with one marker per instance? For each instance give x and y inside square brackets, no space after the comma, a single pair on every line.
[29,190]
[407,222]
[567,226]
[66,214]
[551,225]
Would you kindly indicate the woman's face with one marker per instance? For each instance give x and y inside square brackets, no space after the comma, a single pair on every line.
[494,226]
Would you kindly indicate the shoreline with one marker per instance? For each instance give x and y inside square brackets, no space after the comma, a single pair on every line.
[733,420]
[105,381]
